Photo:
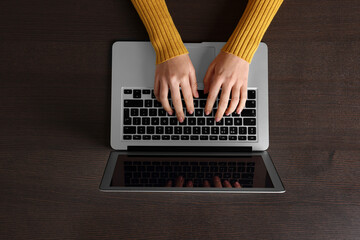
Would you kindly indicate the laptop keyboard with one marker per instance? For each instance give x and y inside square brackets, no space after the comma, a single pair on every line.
[145,119]
[157,173]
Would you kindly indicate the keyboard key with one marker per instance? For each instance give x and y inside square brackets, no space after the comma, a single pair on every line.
[148,103]
[127,137]
[237,121]
[146,91]
[155,137]
[129,130]
[126,112]
[224,130]
[155,121]
[189,115]
[220,123]
[134,112]
[202,95]
[252,130]
[152,94]
[184,137]
[173,121]
[168,130]
[137,137]
[143,112]
[141,130]
[137,94]
[242,130]
[150,130]
[196,130]
[201,121]
[187,130]
[178,130]
[152,112]
[223,137]
[205,130]
[136,121]
[146,137]
[250,104]
[162,112]
[249,121]
[127,91]
[242,138]
[252,138]
[133,103]
[198,111]
[192,121]
[175,137]
[233,130]
[196,103]
[234,114]
[248,113]
[202,103]
[228,121]
[164,121]
[232,138]
[210,121]
[204,137]
[214,130]
[184,123]
[251,94]
[213,137]
[145,121]
[159,130]
[127,121]
[165,137]
[194,137]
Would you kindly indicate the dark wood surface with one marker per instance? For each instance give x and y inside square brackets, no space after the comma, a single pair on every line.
[55,115]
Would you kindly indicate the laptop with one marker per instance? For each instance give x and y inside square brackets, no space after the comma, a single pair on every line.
[153,152]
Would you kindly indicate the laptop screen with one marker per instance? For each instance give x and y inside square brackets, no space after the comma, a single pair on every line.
[189,171]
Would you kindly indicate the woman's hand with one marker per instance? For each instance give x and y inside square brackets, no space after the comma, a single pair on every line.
[230,73]
[175,73]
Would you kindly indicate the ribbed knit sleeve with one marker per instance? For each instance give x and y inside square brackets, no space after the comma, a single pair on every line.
[162,32]
[251,28]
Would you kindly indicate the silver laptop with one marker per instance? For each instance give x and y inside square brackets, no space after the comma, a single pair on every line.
[154,150]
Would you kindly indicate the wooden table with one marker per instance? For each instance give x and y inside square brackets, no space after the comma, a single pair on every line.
[55,77]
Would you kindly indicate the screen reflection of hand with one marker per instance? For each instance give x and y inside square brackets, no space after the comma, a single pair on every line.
[216,183]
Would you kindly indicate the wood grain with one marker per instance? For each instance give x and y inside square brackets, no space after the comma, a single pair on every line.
[55,66]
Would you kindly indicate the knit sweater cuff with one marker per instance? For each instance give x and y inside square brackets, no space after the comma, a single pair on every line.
[251,28]
[162,32]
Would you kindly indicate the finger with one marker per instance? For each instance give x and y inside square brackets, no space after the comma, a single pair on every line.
[243,97]
[189,184]
[157,88]
[193,84]
[176,98]
[223,103]
[188,97]
[207,78]
[237,185]
[227,184]
[164,91]
[168,184]
[217,182]
[179,181]
[235,98]
[206,183]
[213,93]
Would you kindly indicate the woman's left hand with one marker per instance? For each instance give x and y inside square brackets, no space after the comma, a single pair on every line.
[230,73]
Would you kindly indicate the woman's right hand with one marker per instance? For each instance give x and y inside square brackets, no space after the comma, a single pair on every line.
[175,73]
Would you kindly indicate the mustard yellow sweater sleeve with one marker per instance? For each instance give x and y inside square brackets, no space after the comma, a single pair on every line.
[251,28]
[243,42]
[162,32]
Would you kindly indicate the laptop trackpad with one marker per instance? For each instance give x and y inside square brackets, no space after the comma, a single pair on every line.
[201,57]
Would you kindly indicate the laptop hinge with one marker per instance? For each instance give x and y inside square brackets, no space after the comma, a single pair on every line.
[187,149]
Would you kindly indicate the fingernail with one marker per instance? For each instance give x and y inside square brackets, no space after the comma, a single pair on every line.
[181,119]
[217,119]
[170,113]
[196,94]
[207,113]
[227,114]
[191,112]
